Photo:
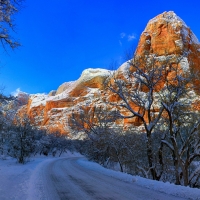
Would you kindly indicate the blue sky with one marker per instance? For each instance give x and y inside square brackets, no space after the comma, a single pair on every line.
[61,38]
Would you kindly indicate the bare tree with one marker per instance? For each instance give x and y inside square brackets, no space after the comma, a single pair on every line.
[107,142]
[7,10]
[181,123]
[137,92]
[160,94]
[8,110]
[21,139]
[97,123]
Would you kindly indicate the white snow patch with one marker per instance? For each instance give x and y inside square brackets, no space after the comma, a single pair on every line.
[170,17]
[124,68]
[90,73]
[148,41]
[67,87]
[164,58]
[38,99]
[86,75]
[179,43]
[184,64]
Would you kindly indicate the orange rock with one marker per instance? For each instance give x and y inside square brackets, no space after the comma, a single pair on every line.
[166,39]
[166,35]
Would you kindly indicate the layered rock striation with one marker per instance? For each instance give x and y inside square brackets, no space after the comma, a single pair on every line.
[52,111]
[166,37]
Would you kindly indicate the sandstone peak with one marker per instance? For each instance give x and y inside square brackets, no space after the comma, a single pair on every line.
[169,17]
[166,36]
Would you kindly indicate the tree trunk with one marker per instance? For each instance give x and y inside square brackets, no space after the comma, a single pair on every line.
[150,157]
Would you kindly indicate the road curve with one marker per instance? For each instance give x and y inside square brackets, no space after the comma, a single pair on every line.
[66,179]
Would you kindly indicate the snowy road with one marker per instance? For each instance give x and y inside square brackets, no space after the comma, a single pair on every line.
[67,179]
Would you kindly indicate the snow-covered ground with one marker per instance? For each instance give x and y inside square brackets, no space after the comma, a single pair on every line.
[18,181]
[176,190]
[25,181]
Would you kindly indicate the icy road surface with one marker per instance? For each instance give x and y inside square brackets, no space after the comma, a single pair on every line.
[67,179]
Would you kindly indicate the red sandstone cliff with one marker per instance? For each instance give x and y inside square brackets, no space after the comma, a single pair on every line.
[165,37]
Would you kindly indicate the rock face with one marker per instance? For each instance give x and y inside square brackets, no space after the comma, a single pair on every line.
[52,93]
[166,36]
[51,111]
[22,98]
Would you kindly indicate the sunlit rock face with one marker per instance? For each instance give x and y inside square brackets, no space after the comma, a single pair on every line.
[167,34]
[168,37]
[53,110]
[165,37]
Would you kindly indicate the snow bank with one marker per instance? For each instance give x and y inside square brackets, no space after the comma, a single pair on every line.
[167,188]
[14,181]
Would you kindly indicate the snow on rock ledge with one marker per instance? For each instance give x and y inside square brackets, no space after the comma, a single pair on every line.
[90,73]
[38,99]
[52,111]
